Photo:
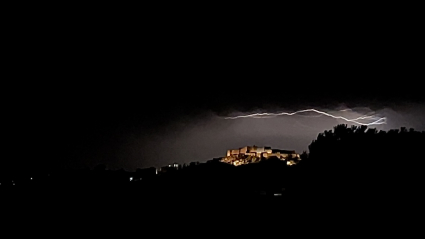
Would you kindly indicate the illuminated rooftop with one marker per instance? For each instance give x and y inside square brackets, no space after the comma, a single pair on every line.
[255,154]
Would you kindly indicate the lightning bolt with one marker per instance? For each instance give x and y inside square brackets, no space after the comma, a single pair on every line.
[375,120]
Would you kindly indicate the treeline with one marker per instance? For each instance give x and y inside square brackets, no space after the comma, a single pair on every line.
[345,159]
[361,161]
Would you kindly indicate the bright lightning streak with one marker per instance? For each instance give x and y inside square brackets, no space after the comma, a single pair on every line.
[376,120]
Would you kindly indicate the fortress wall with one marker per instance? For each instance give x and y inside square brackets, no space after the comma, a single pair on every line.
[260,150]
[252,149]
[240,156]
[235,151]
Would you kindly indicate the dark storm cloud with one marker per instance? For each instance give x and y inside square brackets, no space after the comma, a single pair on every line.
[208,135]
[111,97]
[127,126]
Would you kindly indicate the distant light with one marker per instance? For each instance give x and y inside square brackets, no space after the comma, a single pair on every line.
[277,194]
[13,184]
[30,178]
[131,179]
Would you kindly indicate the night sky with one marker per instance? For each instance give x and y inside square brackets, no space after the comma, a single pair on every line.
[95,95]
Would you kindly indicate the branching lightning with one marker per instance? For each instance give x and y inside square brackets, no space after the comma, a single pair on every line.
[374,119]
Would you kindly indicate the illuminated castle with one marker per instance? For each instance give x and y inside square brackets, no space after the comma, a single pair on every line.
[253,154]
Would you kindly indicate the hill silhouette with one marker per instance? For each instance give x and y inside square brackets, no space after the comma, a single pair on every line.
[347,171]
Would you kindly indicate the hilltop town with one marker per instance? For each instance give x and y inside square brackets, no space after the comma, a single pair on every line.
[254,154]
[250,178]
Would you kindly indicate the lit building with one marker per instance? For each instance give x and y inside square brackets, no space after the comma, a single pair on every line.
[254,154]
[169,168]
